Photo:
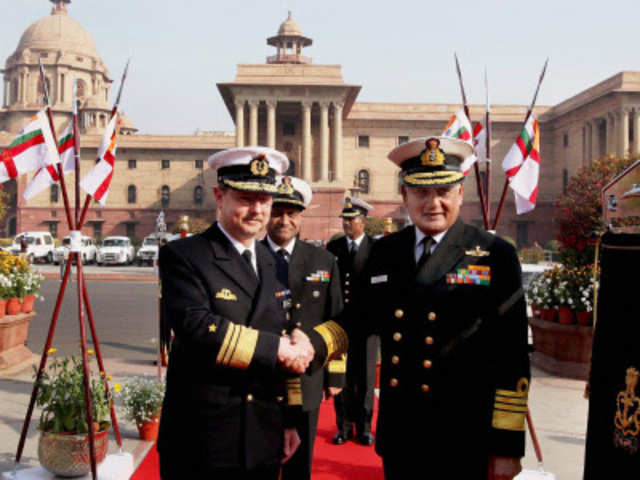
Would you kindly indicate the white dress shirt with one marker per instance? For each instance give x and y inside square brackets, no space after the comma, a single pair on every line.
[241,248]
[418,248]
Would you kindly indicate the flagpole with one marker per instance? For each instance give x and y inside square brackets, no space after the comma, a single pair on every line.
[487,122]
[76,148]
[475,164]
[526,118]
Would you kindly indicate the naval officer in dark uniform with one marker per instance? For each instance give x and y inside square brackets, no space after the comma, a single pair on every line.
[224,412]
[311,273]
[354,405]
[448,303]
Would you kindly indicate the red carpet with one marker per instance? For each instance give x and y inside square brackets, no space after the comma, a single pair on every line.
[330,462]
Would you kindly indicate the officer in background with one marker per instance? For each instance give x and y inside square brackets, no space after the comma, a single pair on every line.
[354,405]
[448,303]
[224,410]
[311,273]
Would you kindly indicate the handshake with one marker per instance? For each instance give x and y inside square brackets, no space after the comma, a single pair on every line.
[295,352]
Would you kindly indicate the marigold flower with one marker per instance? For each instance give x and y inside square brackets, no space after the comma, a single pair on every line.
[90,352]
[117,388]
[51,351]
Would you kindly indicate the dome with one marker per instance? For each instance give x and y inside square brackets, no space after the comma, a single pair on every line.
[58,32]
[290,28]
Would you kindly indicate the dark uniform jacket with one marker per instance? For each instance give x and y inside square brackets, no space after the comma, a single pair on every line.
[225,397]
[455,369]
[316,299]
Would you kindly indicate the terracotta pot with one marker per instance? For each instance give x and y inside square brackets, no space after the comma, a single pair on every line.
[14,306]
[565,315]
[149,430]
[67,455]
[3,307]
[536,311]
[585,318]
[27,303]
[549,314]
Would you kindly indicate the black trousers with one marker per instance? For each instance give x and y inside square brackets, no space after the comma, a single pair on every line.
[299,466]
[174,470]
[354,405]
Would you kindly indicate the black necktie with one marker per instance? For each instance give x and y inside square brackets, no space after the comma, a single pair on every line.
[247,256]
[427,242]
[282,266]
[353,251]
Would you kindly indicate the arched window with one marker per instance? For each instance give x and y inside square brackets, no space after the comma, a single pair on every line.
[363,181]
[165,196]
[53,194]
[81,89]
[131,194]
[14,90]
[197,195]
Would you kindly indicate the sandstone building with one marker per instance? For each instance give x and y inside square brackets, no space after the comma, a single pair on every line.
[307,111]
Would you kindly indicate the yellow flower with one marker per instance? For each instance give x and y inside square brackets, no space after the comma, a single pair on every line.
[90,352]
[109,377]
[117,387]
[51,351]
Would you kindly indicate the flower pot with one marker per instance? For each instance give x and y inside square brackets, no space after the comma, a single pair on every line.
[27,303]
[67,455]
[149,430]
[3,307]
[549,314]
[536,311]
[565,315]
[584,317]
[14,306]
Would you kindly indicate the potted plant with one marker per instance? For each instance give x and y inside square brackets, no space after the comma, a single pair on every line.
[30,282]
[583,295]
[142,402]
[63,447]
[563,297]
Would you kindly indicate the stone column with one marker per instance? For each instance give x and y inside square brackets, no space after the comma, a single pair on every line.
[636,130]
[324,141]
[622,119]
[307,174]
[610,134]
[239,123]
[4,92]
[271,123]
[595,140]
[253,121]
[337,142]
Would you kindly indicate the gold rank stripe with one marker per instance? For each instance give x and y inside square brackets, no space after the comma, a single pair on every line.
[338,366]
[510,408]
[238,347]
[511,393]
[294,391]
[334,337]
[508,421]
[513,401]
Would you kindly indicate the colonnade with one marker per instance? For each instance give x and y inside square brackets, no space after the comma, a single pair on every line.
[615,140]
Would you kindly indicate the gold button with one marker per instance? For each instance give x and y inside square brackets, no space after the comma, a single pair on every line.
[279,399]
[425,388]
[249,398]
[298,306]
[428,340]
[346,300]
[399,313]
[427,364]
[397,336]
[393,382]
[288,316]
[347,274]
[347,283]
[346,292]
[395,359]
[431,316]
[298,324]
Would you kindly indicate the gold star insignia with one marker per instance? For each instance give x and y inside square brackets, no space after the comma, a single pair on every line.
[212,328]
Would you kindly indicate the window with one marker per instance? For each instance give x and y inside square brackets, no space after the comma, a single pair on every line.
[197,195]
[199,164]
[522,234]
[165,164]
[53,194]
[133,164]
[565,181]
[131,194]
[565,140]
[165,196]
[131,230]
[97,230]
[363,141]
[402,139]
[289,129]
[81,89]
[363,181]
[53,229]
[54,213]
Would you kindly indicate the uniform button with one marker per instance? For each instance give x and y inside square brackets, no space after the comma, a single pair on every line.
[279,399]
[346,300]
[431,316]
[284,331]
[393,382]
[397,336]
[298,306]
[428,340]
[425,388]
[427,364]
[347,283]
[249,398]
[399,313]
[395,359]
[288,316]
[298,324]
[347,274]
[346,292]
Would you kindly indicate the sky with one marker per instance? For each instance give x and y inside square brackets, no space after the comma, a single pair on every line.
[400,51]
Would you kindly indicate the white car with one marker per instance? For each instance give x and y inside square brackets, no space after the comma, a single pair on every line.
[115,250]
[88,249]
[149,249]
[40,245]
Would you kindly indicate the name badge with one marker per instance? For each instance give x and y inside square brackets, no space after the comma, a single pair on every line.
[379,279]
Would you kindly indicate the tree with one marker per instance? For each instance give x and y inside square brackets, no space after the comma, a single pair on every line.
[579,211]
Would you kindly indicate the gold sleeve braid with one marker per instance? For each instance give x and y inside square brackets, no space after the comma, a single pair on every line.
[294,391]
[334,337]
[510,407]
[238,347]
[338,365]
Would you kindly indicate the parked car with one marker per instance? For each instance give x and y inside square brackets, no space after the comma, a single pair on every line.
[88,249]
[115,250]
[149,249]
[39,245]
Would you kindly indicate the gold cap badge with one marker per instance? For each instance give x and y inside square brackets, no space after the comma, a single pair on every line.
[259,166]
[347,203]
[285,187]
[432,155]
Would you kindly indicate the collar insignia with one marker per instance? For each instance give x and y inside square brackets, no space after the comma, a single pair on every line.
[259,166]
[225,294]
[627,421]
[212,328]
[477,252]
[432,156]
